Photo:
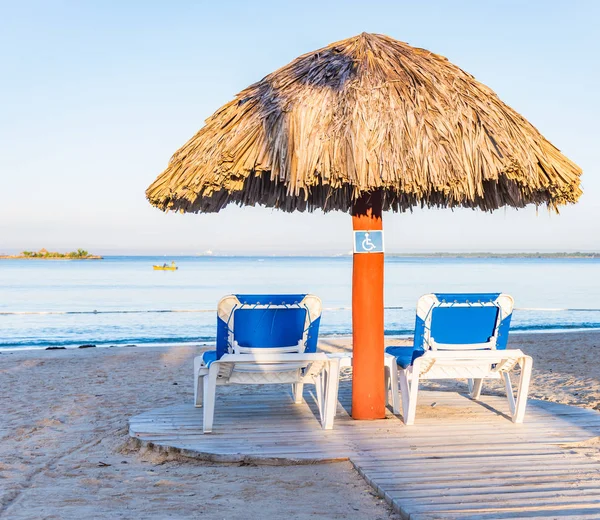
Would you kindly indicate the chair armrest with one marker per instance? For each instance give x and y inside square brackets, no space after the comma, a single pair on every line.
[345,358]
[272,358]
[483,355]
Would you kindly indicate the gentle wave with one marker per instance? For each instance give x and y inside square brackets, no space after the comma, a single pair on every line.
[542,309]
[180,340]
[518,328]
[150,311]
[554,327]
[166,311]
[9,345]
[153,311]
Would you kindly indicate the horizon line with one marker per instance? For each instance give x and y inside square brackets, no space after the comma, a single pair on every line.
[348,254]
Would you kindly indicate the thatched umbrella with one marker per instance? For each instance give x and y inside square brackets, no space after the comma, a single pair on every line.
[365,125]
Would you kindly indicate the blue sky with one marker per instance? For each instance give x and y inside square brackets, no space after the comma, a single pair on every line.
[96,96]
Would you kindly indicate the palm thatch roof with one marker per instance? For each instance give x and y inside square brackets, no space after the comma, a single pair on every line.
[366,114]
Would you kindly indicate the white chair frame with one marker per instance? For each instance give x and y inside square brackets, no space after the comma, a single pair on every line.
[314,369]
[280,365]
[460,365]
[442,361]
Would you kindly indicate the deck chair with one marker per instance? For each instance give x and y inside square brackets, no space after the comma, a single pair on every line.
[266,339]
[459,336]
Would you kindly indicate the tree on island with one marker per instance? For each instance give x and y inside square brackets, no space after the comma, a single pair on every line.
[80,253]
[43,253]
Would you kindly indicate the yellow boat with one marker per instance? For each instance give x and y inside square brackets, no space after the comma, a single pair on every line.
[165,267]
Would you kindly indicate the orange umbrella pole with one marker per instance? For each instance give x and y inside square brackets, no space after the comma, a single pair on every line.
[368,393]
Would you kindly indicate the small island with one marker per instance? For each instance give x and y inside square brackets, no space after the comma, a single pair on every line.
[43,254]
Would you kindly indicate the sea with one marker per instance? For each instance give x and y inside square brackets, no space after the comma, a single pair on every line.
[121,300]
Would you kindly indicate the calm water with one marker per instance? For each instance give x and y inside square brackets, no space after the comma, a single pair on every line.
[121,300]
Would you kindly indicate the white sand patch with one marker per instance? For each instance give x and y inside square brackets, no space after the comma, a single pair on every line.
[64,450]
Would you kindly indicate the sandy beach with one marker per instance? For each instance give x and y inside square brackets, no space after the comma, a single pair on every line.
[64,450]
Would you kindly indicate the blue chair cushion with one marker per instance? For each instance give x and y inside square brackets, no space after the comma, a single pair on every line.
[463,325]
[269,328]
[209,356]
[405,356]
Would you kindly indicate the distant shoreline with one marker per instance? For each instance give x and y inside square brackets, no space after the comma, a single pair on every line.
[495,255]
[480,255]
[483,255]
[21,257]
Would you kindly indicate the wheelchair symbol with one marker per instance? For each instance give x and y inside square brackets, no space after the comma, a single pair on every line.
[368,241]
[367,245]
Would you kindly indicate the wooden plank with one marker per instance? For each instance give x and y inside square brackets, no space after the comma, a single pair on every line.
[450,495]
[547,504]
[550,474]
[476,465]
[417,435]
[583,513]
[468,465]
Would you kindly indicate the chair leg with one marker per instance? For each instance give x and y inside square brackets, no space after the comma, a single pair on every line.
[319,383]
[410,402]
[210,390]
[392,383]
[198,391]
[526,365]
[386,383]
[509,393]
[404,393]
[476,388]
[331,392]
[297,390]
[198,381]
[412,399]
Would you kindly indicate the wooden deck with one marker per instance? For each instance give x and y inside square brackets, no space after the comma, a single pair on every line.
[462,459]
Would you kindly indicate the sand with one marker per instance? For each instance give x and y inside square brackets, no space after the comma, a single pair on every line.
[64,450]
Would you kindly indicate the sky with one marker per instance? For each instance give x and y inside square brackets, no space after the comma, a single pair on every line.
[95,97]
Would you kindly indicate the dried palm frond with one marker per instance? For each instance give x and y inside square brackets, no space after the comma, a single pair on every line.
[366,114]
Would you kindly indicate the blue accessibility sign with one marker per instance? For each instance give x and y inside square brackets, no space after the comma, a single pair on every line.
[368,241]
